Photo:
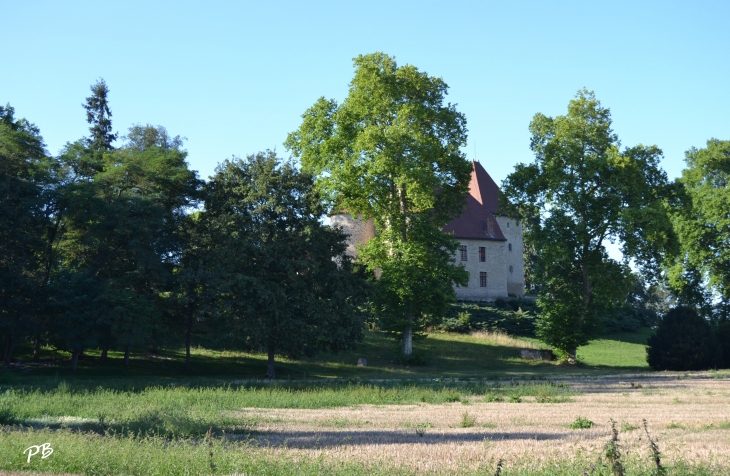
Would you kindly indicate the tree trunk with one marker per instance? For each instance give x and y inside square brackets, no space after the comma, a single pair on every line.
[104,351]
[573,355]
[407,347]
[127,350]
[270,373]
[37,348]
[188,333]
[8,349]
[75,358]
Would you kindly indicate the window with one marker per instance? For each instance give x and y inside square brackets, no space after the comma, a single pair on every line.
[483,279]
[507,224]
[482,254]
[462,250]
[509,246]
[511,268]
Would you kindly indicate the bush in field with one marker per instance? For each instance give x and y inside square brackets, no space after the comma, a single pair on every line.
[722,333]
[683,341]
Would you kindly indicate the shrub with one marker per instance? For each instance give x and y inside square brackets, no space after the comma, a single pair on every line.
[683,341]
[722,334]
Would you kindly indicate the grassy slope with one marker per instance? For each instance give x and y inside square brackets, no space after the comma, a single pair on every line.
[448,355]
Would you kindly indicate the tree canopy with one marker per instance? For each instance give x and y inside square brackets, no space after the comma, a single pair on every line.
[702,221]
[581,192]
[391,151]
[285,284]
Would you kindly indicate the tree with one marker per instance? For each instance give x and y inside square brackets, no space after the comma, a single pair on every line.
[23,163]
[391,152]
[702,221]
[286,285]
[580,192]
[123,242]
[99,116]
[196,278]
[683,341]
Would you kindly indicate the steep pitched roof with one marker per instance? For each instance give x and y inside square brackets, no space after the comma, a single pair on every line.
[477,220]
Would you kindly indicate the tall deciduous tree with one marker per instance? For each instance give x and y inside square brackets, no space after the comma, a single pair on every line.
[702,221]
[22,225]
[285,282]
[581,192]
[391,152]
[122,242]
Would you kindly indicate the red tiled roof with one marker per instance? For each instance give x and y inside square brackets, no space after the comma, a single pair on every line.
[477,220]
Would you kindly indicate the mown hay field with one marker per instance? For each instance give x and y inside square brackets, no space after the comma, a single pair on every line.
[525,425]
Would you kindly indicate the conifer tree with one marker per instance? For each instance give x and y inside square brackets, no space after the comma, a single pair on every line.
[99,116]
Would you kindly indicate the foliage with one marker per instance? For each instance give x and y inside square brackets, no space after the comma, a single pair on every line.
[121,242]
[581,423]
[23,222]
[580,192]
[722,334]
[515,317]
[99,116]
[285,282]
[391,151]
[702,220]
[467,420]
[683,341]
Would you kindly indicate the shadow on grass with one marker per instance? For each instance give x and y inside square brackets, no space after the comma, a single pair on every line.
[447,355]
[329,439]
[168,423]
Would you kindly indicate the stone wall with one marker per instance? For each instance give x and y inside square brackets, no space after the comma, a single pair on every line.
[499,258]
[512,230]
[359,231]
[494,266]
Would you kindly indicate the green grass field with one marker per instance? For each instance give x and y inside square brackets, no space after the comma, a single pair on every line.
[446,355]
[153,418]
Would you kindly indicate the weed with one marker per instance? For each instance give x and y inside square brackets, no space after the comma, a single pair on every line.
[628,427]
[498,472]
[515,399]
[581,423]
[6,414]
[421,428]
[209,437]
[468,421]
[660,471]
[613,453]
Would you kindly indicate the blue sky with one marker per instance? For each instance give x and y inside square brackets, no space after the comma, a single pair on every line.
[235,77]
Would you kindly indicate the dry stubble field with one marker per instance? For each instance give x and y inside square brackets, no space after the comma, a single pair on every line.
[688,416]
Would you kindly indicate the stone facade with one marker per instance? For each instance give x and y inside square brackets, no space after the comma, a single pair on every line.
[359,231]
[481,226]
[514,260]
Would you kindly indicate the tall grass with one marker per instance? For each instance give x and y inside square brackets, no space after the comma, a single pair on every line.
[503,339]
[179,412]
[86,453]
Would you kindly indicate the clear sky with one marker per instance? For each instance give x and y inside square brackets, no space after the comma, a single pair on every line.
[234,77]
